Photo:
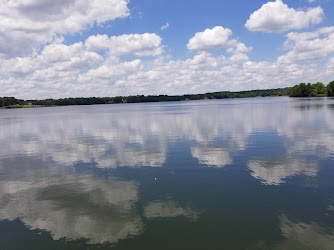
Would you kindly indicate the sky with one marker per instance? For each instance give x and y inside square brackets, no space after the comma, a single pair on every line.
[84,48]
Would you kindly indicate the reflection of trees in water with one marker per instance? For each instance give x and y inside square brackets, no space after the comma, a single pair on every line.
[330,106]
[310,106]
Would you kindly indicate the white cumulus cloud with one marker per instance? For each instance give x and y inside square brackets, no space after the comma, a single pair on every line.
[210,39]
[218,37]
[27,24]
[278,17]
[138,44]
[307,46]
[108,71]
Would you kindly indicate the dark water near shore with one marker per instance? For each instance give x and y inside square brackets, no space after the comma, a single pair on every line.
[222,174]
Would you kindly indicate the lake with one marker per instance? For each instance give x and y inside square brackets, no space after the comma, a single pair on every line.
[254,173]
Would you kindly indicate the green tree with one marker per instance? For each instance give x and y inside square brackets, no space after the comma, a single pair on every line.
[294,91]
[303,90]
[319,88]
[308,90]
[330,89]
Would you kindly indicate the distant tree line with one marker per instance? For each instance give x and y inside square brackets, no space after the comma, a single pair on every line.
[301,90]
[312,90]
[11,101]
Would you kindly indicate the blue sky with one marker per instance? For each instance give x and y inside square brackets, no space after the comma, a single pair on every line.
[71,48]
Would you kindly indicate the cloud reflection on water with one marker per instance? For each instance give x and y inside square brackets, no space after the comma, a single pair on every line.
[275,172]
[138,135]
[71,205]
[157,209]
[40,184]
[74,205]
[300,235]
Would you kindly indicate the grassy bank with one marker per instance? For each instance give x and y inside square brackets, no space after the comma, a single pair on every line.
[18,106]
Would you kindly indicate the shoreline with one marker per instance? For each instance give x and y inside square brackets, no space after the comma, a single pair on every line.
[12,102]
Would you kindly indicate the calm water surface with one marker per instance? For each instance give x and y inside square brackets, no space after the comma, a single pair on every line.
[221,174]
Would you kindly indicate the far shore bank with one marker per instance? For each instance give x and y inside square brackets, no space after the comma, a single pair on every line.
[12,102]
[302,90]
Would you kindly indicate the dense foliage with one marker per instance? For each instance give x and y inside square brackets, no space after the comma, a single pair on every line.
[312,90]
[330,89]
[10,101]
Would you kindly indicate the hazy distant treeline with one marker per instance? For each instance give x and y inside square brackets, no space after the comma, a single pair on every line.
[311,90]
[11,101]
